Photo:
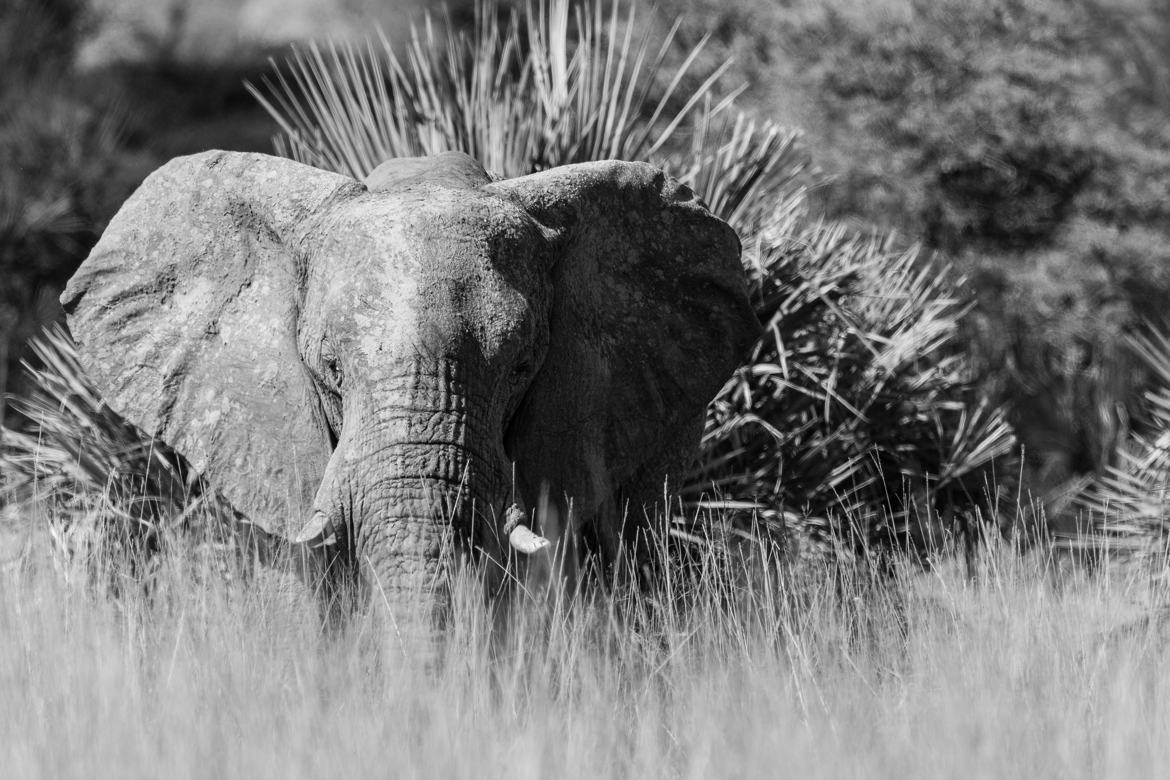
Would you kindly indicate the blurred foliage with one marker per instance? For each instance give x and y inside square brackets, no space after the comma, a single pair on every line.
[1028,141]
[74,145]
[987,125]
[39,37]
[1051,338]
[54,158]
[978,103]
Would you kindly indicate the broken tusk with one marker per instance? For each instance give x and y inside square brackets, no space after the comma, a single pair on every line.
[520,536]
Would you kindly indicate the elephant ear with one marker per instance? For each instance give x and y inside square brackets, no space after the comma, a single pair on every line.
[185,318]
[650,316]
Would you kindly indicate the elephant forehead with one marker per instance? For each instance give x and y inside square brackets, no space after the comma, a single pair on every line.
[448,263]
[438,232]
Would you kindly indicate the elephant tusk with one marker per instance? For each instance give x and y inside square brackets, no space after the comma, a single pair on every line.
[522,538]
[318,532]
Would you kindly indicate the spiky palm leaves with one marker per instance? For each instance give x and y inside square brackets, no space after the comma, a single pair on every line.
[1127,508]
[519,94]
[852,420]
[105,487]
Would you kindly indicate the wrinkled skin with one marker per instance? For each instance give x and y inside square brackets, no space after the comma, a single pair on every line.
[373,372]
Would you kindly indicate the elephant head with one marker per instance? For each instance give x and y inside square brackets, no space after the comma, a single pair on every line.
[371,368]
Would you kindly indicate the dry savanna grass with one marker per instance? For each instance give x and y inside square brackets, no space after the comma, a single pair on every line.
[1028,669]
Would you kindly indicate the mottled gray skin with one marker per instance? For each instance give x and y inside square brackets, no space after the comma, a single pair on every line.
[398,360]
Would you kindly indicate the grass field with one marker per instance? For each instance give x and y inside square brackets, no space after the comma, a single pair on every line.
[1027,670]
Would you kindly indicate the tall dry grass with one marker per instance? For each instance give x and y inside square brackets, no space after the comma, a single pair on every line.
[1029,671]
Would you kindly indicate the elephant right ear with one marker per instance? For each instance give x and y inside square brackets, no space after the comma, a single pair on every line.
[185,318]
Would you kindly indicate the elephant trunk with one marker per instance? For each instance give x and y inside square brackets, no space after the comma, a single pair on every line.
[398,506]
[410,489]
[411,527]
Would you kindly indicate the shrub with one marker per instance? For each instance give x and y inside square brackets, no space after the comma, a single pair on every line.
[854,419]
[1051,339]
[520,94]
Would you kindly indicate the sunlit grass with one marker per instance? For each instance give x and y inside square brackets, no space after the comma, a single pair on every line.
[1027,669]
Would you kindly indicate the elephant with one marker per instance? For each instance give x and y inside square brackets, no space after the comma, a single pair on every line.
[388,375]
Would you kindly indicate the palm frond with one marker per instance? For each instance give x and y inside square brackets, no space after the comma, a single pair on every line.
[557,83]
[853,410]
[114,487]
[741,167]
[1128,507]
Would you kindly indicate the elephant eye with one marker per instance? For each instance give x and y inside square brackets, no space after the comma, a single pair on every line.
[334,369]
[330,373]
[522,371]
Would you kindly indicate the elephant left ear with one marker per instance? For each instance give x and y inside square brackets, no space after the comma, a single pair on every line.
[650,316]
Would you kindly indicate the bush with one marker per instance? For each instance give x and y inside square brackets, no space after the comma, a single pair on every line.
[518,93]
[1052,339]
[854,420]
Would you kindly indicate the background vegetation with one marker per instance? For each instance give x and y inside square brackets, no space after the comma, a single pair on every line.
[851,405]
[1024,141]
[74,143]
